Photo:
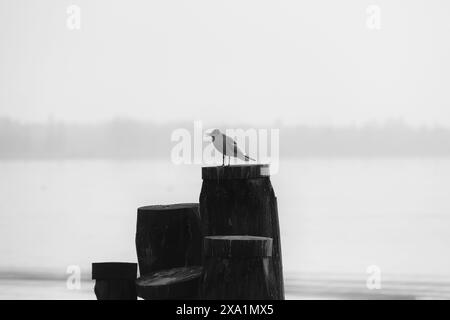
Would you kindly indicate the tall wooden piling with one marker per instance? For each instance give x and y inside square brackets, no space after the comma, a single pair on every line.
[239,200]
[168,236]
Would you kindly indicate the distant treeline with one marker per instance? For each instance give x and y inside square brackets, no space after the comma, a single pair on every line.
[134,139]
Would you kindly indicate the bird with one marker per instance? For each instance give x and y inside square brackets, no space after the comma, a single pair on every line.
[227,146]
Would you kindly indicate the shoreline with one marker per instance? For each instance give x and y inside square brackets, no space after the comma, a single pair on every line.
[318,287]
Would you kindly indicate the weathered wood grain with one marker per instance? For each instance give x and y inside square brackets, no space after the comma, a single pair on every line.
[237,246]
[238,267]
[168,236]
[176,283]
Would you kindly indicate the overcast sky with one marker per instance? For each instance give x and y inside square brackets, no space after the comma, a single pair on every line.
[309,62]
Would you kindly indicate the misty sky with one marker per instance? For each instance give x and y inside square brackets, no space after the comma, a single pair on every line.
[308,62]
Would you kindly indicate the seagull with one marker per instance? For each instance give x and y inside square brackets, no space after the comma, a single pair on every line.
[227,146]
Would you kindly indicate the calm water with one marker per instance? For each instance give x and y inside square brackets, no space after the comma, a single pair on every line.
[337,217]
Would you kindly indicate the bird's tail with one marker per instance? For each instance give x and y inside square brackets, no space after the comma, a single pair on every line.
[247,158]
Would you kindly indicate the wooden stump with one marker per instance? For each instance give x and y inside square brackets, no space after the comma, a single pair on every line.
[114,280]
[168,236]
[238,268]
[237,200]
[176,283]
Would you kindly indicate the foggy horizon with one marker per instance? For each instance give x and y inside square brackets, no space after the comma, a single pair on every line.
[128,138]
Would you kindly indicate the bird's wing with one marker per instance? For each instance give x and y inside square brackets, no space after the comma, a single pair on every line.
[232,148]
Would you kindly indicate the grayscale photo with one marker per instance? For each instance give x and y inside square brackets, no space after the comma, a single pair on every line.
[224,150]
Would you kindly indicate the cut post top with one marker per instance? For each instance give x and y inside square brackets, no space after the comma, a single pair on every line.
[169,276]
[241,171]
[177,283]
[237,246]
[168,208]
[114,270]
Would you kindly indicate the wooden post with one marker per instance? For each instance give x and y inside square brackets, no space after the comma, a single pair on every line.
[238,267]
[170,284]
[114,280]
[239,200]
[168,236]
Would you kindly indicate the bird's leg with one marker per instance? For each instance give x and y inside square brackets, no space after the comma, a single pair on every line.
[223,160]
[228,160]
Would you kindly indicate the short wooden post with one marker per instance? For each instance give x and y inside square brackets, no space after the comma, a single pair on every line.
[238,267]
[168,236]
[239,200]
[114,280]
[170,284]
